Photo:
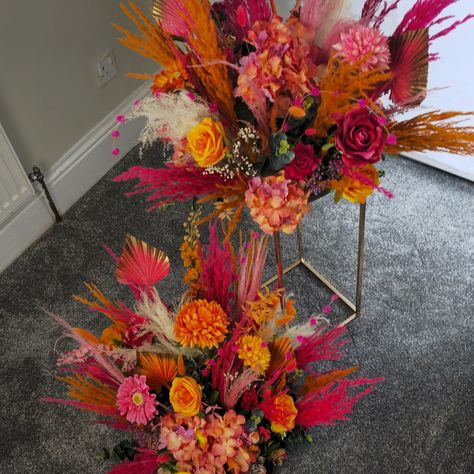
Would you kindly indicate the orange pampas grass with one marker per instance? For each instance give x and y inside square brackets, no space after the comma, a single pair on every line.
[90,395]
[314,383]
[341,87]
[155,43]
[204,44]
[229,200]
[433,131]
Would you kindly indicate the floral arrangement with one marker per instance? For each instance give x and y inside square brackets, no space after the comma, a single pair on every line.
[265,112]
[221,384]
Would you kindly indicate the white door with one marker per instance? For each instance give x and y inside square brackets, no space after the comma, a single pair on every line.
[15,187]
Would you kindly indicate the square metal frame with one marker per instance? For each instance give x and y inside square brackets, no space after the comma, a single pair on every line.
[354,307]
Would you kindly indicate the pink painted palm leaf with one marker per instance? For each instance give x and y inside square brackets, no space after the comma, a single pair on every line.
[167,12]
[409,65]
[140,264]
[427,14]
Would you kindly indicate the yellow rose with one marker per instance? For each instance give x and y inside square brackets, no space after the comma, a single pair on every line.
[285,407]
[185,396]
[206,142]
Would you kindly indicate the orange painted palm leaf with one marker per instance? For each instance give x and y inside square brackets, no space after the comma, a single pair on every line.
[140,264]
[283,357]
[159,369]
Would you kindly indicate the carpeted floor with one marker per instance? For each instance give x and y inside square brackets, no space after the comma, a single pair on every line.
[416,329]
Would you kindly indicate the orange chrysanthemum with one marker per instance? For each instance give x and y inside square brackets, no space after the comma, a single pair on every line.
[159,369]
[201,323]
[254,352]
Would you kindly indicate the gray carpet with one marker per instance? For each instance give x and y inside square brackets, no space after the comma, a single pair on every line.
[416,329]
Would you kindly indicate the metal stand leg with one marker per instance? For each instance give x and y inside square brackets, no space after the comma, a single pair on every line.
[355,308]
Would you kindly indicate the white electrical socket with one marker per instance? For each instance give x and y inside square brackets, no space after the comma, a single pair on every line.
[106,67]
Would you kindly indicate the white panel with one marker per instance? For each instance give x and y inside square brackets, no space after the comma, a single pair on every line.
[15,187]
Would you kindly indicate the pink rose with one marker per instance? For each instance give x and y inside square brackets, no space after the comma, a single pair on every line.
[303,164]
[360,137]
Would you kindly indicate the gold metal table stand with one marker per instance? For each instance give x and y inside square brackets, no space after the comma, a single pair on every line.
[355,308]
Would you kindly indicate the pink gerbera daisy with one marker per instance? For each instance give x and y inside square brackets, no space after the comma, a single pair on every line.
[135,401]
[362,43]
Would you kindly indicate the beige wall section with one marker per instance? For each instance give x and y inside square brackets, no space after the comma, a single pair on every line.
[49,94]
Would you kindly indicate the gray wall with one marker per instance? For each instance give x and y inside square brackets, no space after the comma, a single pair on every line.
[49,95]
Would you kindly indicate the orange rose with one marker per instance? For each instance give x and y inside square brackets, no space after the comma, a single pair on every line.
[285,407]
[206,142]
[350,188]
[185,396]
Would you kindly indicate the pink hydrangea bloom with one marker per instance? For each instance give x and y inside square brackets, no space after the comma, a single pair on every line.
[282,61]
[135,401]
[276,203]
[364,43]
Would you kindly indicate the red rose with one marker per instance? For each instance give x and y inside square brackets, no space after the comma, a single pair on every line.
[303,163]
[360,137]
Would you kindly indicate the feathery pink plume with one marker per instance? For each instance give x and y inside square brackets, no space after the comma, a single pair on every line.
[331,403]
[171,183]
[425,14]
[109,367]
[252,259]
[371,14]
[218,273]
[322,345]
[145,462]
[235,389]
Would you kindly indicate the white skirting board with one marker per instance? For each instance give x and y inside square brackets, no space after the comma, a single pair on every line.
[462,166]
[75,173]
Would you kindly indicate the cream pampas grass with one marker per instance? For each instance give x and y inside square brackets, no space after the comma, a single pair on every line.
[168,117]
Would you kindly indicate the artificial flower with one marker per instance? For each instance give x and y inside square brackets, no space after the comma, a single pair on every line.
[206,142]
[254,352]
[185,396]
[159,369]
[168,80]
[303,164]
[281,412]
[201,323]
[360,137]
[356,186]
[282,61]
[135,401]
[276,203]
[365,46]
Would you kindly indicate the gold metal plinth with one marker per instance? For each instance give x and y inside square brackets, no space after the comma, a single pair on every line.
[355,308]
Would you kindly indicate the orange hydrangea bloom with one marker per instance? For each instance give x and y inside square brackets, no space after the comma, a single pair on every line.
[201,323]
